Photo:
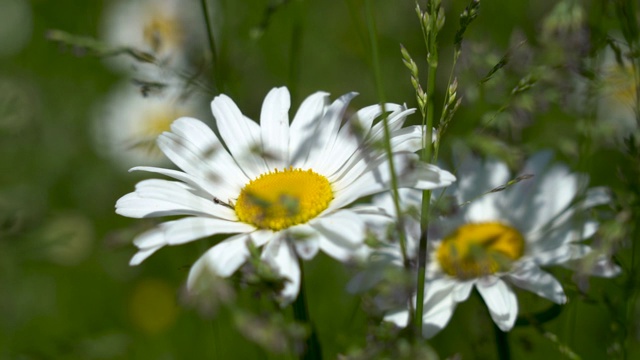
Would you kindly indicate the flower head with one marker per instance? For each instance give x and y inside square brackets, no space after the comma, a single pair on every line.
[162,28]
[284,187]
[502,236]
[127,124]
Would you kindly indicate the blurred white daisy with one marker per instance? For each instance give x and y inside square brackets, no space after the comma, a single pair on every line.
[503,239]
[617,97]
[127,124]
[167,29]
[282,186]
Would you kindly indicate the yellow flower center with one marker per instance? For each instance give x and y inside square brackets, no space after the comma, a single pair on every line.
[157,121]
[162,32]
[620,83]
[153,123]
[280,199]
[475,250]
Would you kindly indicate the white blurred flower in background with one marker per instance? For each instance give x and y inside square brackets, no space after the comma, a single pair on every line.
[617,100]
[127,123]
[167,29]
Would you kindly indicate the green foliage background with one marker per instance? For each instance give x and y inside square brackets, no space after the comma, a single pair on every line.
[66,290]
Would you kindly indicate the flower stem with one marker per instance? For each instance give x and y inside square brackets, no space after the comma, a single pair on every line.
[217,79]
[295,50]
[502,343]
[430,31]
[371,27]
[312,350]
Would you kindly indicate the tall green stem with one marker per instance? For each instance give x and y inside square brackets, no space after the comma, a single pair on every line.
[217,79]
[294,52]
[432,59]
[502,343]
[312,350]
[371,27]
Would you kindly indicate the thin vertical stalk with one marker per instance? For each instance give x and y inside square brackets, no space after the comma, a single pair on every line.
[371,27]
[294,52]
[217,79]
[432,60]
[313,350]
[502,343]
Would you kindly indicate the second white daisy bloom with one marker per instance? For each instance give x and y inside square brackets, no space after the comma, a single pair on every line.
[284,187]
[504,239]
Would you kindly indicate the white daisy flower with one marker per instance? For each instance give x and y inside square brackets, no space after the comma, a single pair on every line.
[617,97]
[167,29]
[282,186]
[503,239]
[127,124]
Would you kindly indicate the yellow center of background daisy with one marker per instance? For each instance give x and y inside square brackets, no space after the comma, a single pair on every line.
[621,84]
[475,250]
[280,199]
[162,33]
[151,125]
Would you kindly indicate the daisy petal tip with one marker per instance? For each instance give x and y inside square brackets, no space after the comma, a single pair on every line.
[142,255]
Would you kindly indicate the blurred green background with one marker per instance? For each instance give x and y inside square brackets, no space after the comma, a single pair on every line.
[66,289]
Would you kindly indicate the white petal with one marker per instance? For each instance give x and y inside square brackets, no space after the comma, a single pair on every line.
[304,125]
[596,196]
[539,282]
[560,236]
[222,259]
[427,177]
[352,137]
[546,195]
[335,249]
[364,117]
[439,305]
[399,317]
[261,237]
[603,267]
[148,242]
[305,240]
[581,258]
[192,181]
[557,189]
[501,301]
[239,136]
[192,228]
[274,123]
[195,149]
[343,227]
[149,239]
[484,208]
[562,254]
[279,254]
[476,177]
[376,178]
[326,133]
[395,121]
[156,197]
[407,139]
[142,255]
[186,230]
[462,291]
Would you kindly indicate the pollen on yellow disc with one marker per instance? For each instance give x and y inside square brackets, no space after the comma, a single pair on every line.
[478,249]
[280,199]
